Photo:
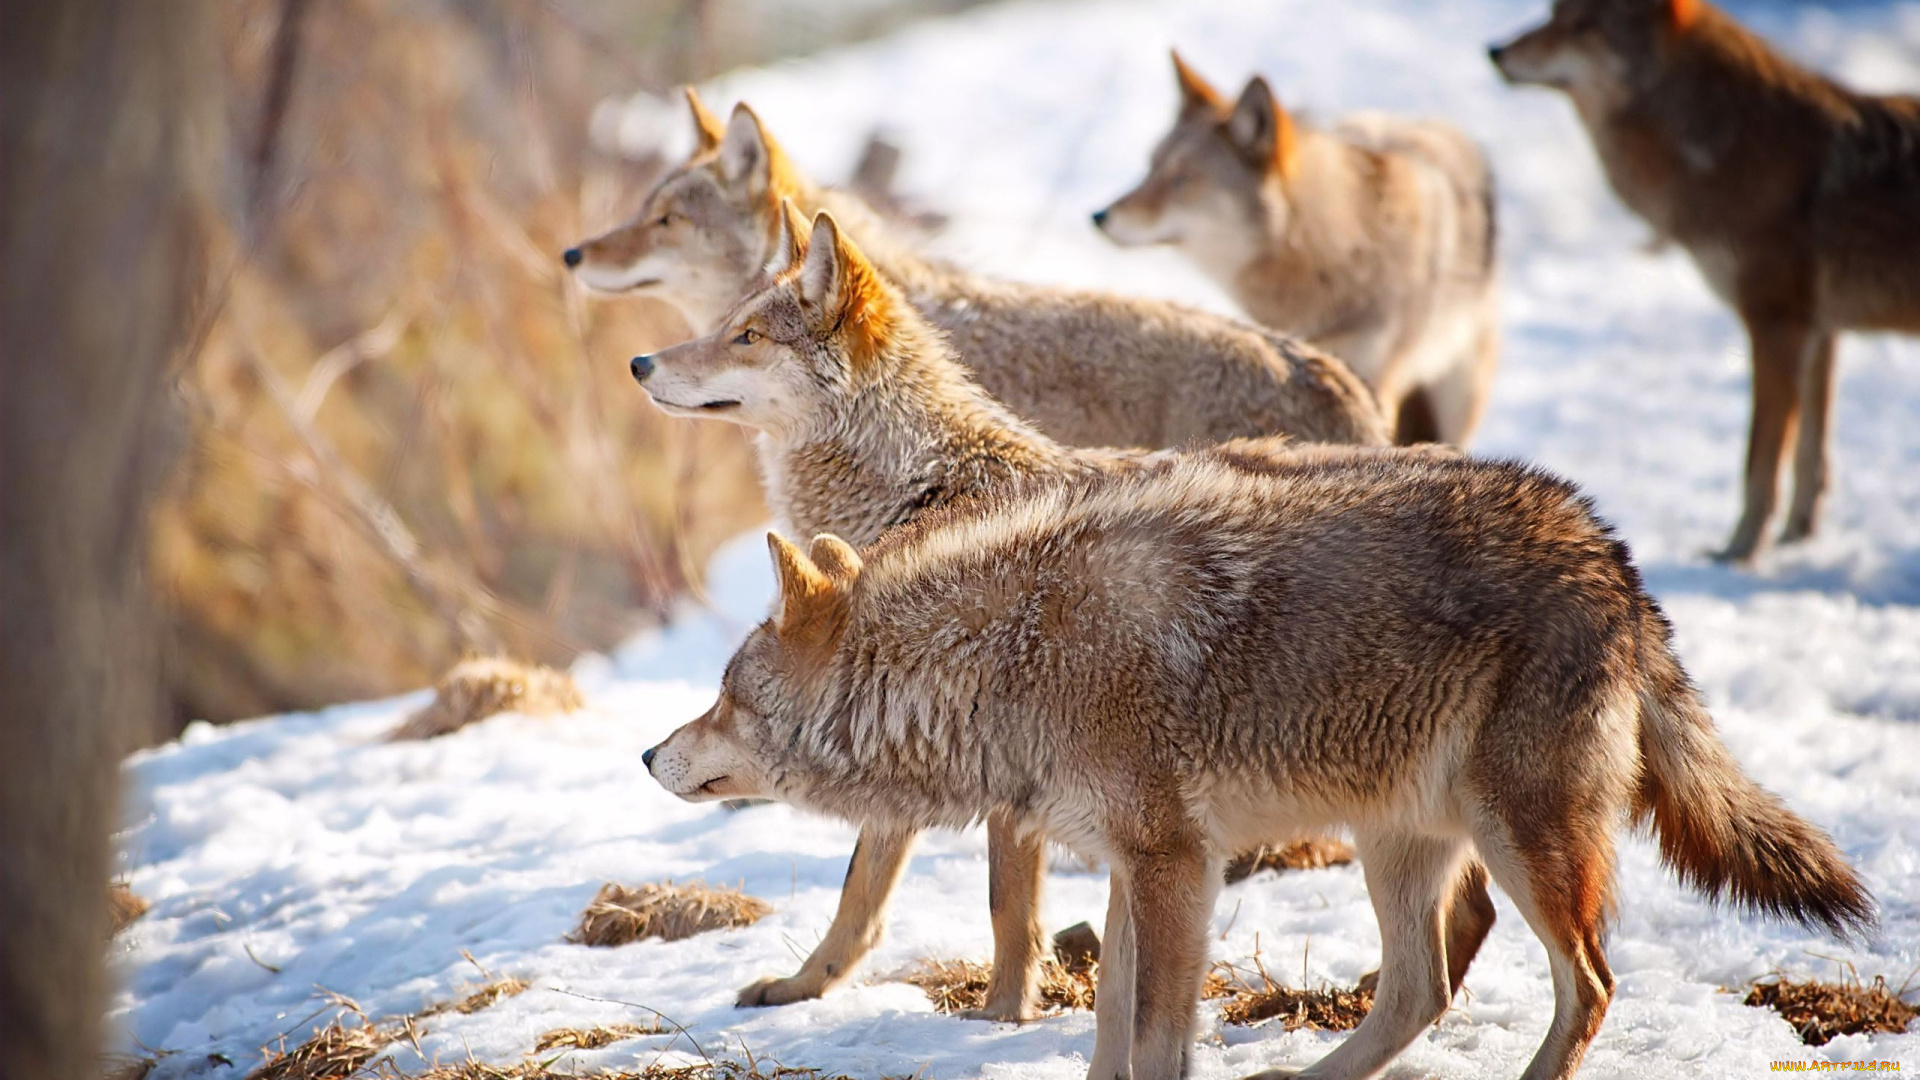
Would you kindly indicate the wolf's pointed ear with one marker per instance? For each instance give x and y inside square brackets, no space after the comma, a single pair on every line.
[790,244]
[1261,130]
[835,558]
[823,271]
[1682,14]
[707,128]
[810,601]
[1195,92]
[745,158]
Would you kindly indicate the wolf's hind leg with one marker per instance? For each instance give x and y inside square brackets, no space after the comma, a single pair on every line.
[1564,890]
[1410,879]
[1457,398]
[879,858]
[1113,987]
[1016,866]
[1469,918]
[1170,893]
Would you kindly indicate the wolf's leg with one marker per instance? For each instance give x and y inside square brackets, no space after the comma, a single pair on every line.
[1810,450]
[1779,350]
[1458,397]
[1469,917]
[1563,887]
[1016,865]
[1113,994]
[1414,421]
[1410,879]
[1171,889]
[878,860]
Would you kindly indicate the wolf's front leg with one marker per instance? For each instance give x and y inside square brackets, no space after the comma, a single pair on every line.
[1170,892]
[1016,864]
[1113,989]
[878,860]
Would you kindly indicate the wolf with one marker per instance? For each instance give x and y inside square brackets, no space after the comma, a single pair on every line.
[1089,368]
[1797,198]
[866,420]
[1163,665]
[1375,240]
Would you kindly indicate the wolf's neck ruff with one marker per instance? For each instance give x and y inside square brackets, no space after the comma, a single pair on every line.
[910,432]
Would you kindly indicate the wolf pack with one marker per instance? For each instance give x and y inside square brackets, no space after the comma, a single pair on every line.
[1162,586]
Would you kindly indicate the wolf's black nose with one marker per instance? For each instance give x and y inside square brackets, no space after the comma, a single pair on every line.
[1099,218]
[642,367]
[646,757]
[571,256]
[1494,51]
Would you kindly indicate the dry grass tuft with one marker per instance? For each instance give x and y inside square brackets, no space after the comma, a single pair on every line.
[497,990]
[1315,1010]
[1315,854]
[1326,1009]
[956,986]
[492,992]
[124,907]
[126,1067]
[1819,1011]
[619,915]
[717,1070]
[335,1052]
[594,1038]
[478,688]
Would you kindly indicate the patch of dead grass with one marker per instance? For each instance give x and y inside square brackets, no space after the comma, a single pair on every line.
[126,1066]
[955,986]
[1819,1011]
[619,915]
[337,1051]
[543,1070]
[123,906]
[478,688]
[1317,853]
[594,1038]
[1251,1002]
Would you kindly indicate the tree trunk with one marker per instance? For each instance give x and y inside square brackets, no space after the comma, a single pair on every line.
[108,124]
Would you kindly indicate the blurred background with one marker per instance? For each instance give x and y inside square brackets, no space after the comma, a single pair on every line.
[408,436]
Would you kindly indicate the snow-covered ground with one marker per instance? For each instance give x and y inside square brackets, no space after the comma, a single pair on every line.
[301,852]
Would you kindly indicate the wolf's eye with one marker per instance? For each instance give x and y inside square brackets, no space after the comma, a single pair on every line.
[746,337]
[665,220]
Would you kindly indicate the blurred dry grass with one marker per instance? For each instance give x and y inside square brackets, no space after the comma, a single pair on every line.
[478,688]
[412,438]
[619,915]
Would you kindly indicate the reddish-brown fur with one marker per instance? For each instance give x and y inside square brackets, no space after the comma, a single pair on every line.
[1798,198]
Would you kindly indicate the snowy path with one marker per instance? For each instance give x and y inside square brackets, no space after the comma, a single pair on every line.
[304,844]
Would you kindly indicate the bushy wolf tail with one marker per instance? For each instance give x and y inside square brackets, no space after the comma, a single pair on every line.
[1723,834]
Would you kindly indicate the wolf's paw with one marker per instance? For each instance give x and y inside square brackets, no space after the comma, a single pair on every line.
[1798,529]
[1018,1013]
[1738,553]
[778,992]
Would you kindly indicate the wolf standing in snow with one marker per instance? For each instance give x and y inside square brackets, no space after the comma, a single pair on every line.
[1374,240]
[1090,369]
[866,421]
[1798,199]
[1163,666]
